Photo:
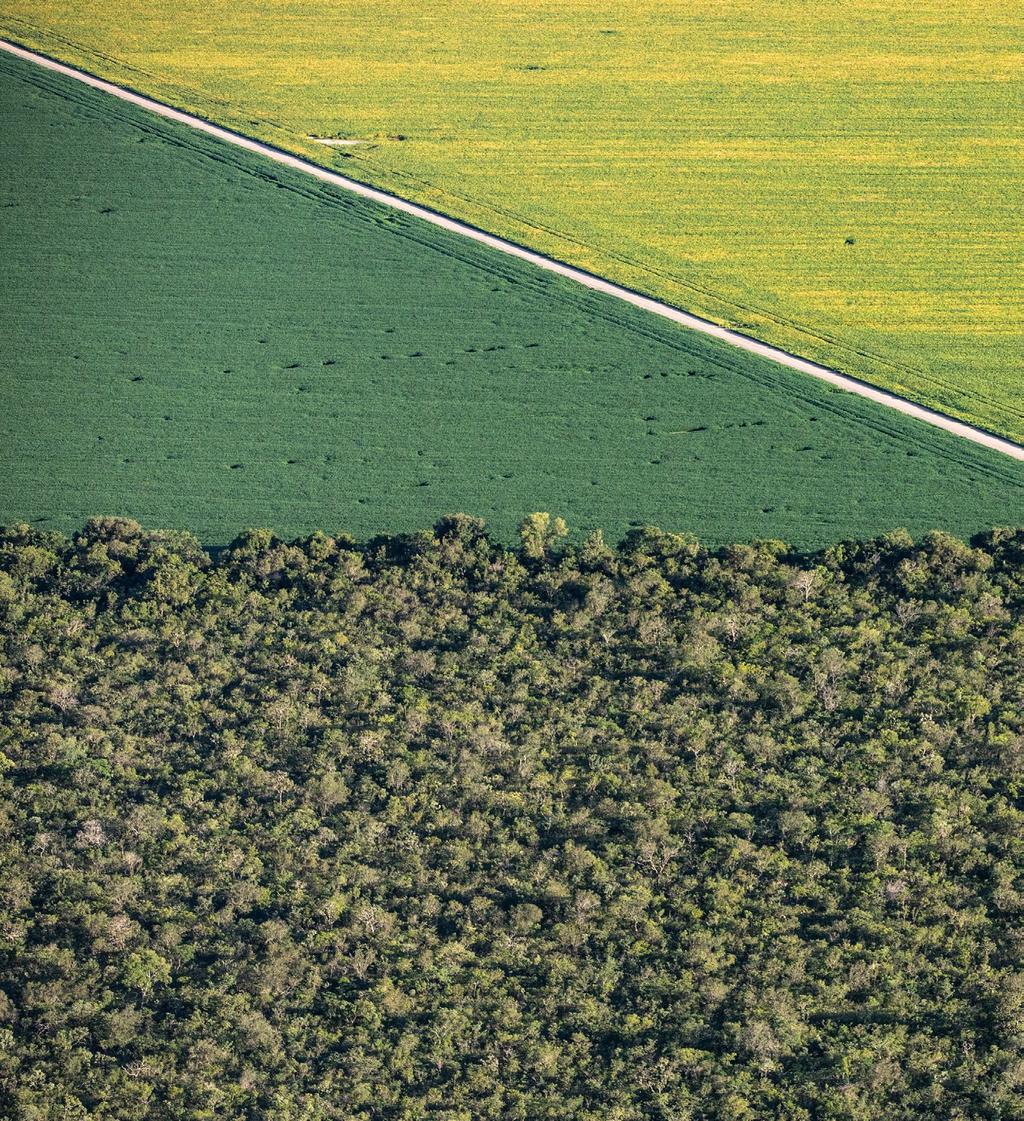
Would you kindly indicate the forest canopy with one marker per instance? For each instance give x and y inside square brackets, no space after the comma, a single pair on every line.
[430,826]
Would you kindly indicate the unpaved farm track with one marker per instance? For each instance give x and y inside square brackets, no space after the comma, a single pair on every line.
[580,276]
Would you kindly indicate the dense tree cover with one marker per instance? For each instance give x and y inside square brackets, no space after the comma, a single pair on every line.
[433,827]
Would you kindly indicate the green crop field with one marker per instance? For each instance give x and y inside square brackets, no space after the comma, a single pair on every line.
[842,180]
[198,338]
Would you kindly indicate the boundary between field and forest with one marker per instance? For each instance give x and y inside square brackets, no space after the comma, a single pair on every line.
[580,276]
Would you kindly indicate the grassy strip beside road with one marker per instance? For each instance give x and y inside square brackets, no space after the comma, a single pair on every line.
[200,339]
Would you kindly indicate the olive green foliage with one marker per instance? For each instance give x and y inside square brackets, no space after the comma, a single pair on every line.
[538,533]
[203,340]
[430,827]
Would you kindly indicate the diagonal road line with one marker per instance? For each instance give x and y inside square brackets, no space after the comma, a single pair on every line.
[580,276]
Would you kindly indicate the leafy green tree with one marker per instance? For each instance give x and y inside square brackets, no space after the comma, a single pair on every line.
[539,533]
[432,827]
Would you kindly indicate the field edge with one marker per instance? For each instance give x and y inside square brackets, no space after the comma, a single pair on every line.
[812,345]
